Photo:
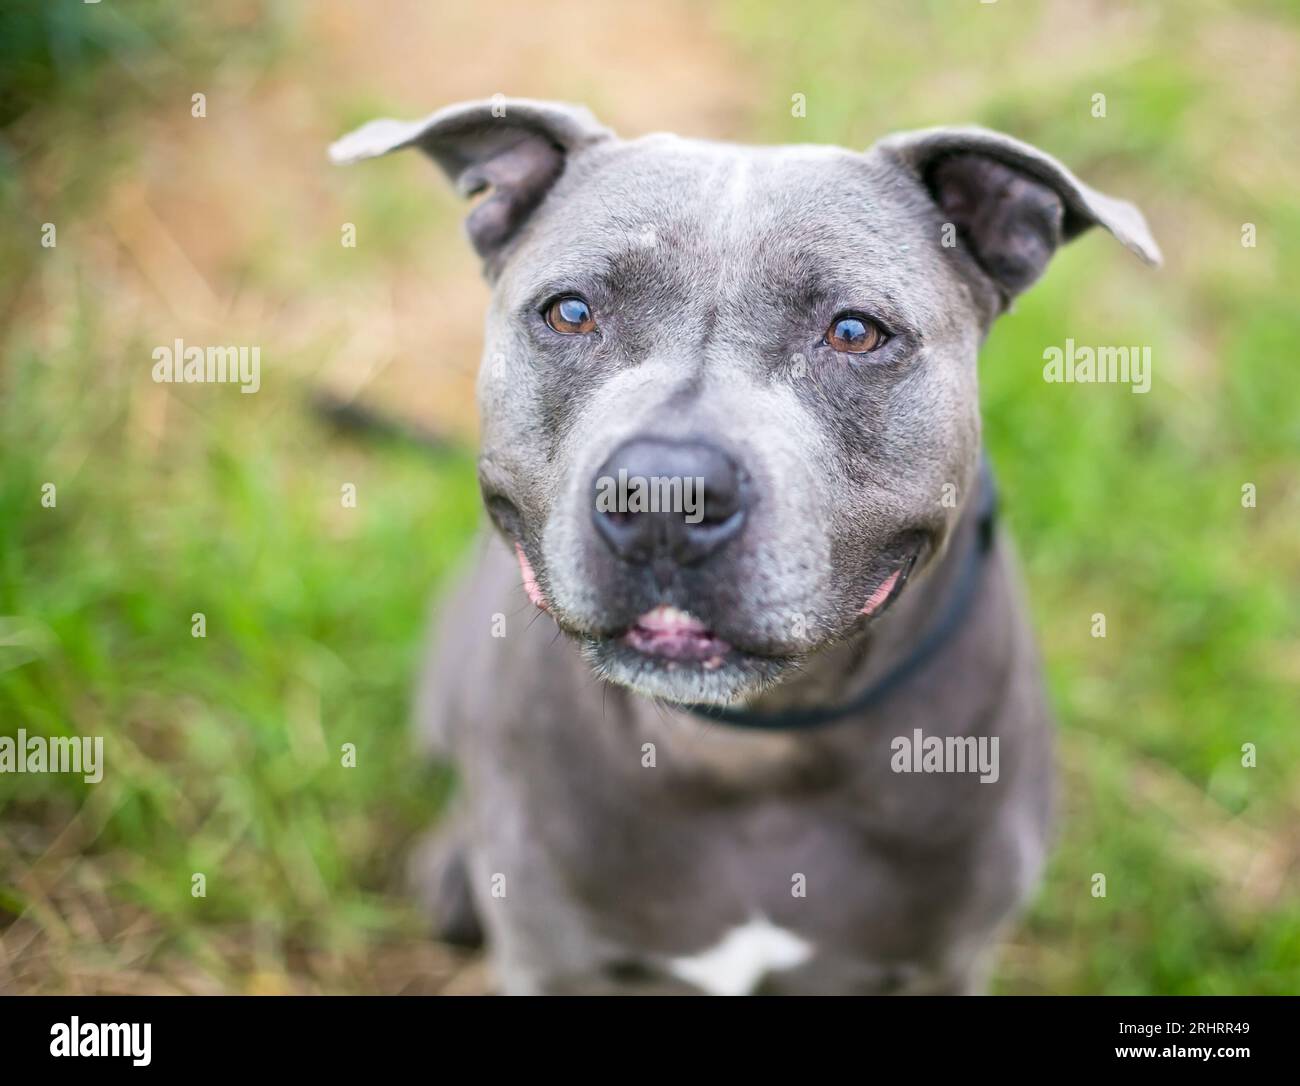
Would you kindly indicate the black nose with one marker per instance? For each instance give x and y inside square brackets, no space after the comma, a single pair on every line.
[668,501]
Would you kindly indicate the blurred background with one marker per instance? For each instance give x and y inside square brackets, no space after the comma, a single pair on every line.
[223,752]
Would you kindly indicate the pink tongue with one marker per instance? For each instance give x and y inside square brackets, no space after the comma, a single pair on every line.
[675,635]
[530,578]
[881,594]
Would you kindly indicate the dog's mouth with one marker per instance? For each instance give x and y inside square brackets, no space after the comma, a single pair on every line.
[669,633]
[675,634]
[669,652]
[681,648]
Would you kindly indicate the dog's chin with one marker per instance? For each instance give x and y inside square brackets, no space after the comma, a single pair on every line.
[720,678]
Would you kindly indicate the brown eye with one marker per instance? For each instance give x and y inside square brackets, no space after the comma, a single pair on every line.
[852,334]
[570,316]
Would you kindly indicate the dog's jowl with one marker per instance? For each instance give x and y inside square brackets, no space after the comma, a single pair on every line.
[698,787]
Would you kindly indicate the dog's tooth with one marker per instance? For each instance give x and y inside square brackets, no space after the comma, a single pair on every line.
[666,617]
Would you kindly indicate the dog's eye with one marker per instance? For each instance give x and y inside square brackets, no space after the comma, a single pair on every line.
[851,333]
[570,315]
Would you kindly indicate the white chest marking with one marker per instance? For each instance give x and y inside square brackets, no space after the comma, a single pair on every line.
[741,959]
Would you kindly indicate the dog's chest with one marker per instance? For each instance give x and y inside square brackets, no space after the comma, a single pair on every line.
[755,900]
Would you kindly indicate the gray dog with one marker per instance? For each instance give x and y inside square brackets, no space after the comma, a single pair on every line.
[796,739]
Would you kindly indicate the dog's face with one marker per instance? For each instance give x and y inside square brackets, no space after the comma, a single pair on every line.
[729,398]
[776,326]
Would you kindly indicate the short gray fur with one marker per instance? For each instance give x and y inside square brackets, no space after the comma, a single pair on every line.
[713,270]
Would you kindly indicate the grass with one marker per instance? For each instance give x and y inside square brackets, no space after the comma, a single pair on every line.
[170,502]
[227,750]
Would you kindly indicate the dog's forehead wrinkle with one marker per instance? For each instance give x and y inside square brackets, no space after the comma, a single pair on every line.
[742,239]
[708,185]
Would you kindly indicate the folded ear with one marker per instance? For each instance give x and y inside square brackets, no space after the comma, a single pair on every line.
[1012,204]
[515,147]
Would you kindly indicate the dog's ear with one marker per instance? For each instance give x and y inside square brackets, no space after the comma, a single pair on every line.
[1010,203]
[514,147]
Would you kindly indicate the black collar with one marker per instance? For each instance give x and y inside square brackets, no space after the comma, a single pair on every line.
[959,604]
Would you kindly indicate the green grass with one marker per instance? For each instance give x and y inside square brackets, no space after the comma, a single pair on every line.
[226,749]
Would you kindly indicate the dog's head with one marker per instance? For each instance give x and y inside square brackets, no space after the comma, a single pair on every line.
[729,393]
